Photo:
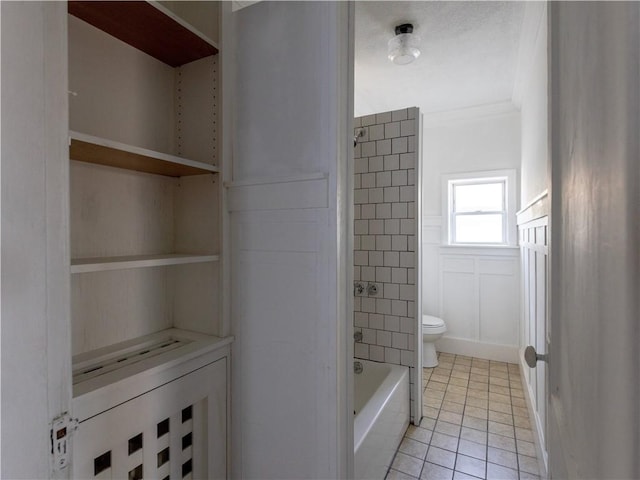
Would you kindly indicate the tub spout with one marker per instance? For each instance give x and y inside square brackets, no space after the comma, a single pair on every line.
[357,367]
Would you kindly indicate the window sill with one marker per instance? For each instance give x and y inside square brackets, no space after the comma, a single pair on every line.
[503,250]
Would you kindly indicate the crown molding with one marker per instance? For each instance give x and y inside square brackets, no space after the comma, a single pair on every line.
[438,119]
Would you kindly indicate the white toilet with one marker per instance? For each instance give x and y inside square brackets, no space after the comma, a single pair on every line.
[432,330]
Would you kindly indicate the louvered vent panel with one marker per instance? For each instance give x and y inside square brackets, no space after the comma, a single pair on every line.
[173,432]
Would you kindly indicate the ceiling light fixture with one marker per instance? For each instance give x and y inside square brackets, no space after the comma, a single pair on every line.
[404,47]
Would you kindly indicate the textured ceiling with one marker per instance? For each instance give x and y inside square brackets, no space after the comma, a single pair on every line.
[469,55]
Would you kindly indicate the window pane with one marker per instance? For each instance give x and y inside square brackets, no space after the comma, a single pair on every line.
[479,197]
[478,229]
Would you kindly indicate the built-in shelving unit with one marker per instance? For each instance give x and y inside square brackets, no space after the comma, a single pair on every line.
[147,26]
[102,264]
[144,186]
[101,151]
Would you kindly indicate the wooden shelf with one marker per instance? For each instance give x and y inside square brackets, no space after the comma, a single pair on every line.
[103,264]
[90,149]
[147,26]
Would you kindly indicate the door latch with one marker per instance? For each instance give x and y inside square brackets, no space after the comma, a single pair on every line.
[61,429]
[532,357]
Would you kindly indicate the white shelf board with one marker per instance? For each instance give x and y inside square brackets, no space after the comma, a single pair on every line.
[102,264]
[102,151]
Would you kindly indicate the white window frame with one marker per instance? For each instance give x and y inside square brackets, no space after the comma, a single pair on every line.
[476,178]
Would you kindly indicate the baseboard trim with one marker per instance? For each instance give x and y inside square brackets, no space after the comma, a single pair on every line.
[543,458]
[473,348]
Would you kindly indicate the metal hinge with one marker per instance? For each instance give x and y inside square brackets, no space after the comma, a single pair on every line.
[61,429]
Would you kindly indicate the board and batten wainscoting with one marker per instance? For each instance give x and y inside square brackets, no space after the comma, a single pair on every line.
[475,290]
[533,231]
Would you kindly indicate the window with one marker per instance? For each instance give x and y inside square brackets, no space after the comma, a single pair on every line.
[480,208]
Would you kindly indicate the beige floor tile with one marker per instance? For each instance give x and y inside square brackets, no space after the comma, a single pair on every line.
[459,372]
[502,473]
[517,394]
[460,382]
[477,402]
[522,422]
[499,374]
[479,370]
[431,393]
[524,434]
[448,428]
[428,423]
[528,464]
[453,407]
[501,382]
[466,369]
[528,476]
[500,407]
[446,442]
[526,448]
[455,397]
[501,390]
[515,384]
[436,386]
[431,402]
[430,412]
[521,412]
[476,412]
[420,434]
[456,389]
[498,397]
[442,370]
[475,377]
[431,471]
[500,417]
[439,378]
[471,466]
[396,475]
[407,464]
[502,457]
[499,441]
[501,429]
[463,476]
[478,386]
[474,422]
[455,418]
[441,457]
[472,449]
[518,402]
[413,448]
[478,394]
[473,435]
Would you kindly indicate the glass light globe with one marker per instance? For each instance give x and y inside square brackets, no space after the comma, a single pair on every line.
[404,48]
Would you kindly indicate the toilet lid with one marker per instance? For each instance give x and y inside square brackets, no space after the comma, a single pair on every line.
[429,321]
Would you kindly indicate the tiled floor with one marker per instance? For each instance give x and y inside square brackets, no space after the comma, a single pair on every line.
[475,425]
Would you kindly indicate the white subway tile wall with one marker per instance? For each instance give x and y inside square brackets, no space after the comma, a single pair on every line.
[385,228]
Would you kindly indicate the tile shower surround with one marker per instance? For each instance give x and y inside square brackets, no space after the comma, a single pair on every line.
[385,236]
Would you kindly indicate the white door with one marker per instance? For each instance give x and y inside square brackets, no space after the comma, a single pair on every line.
[288,202]
[594,401]
[36,370]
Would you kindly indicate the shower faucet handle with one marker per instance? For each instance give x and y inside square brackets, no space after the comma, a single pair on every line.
[357,336]
[372,289]
[358,289]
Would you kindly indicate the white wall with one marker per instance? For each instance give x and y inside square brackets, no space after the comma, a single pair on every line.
[475,291]
[594,415]
[535,144]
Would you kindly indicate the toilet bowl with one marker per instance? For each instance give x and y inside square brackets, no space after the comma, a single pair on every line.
[432,330]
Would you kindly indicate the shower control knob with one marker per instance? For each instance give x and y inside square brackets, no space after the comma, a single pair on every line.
[532,357]
[372,289]
[358,289]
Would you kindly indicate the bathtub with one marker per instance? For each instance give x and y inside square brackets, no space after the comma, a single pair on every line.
[381,403]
